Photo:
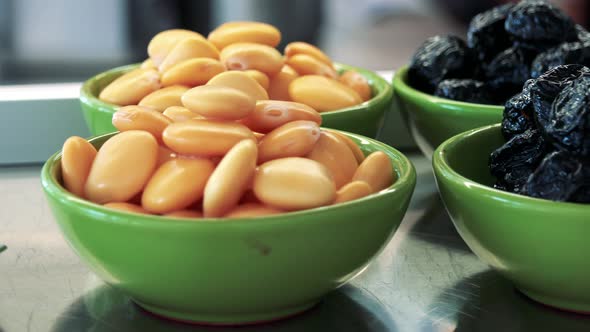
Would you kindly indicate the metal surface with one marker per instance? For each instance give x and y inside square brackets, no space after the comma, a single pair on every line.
[426,279]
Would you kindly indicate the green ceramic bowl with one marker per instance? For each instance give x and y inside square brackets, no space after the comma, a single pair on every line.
[431,120]
[233,271]
[540,245]
[364,119]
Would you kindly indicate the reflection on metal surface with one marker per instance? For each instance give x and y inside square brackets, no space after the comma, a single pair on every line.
[425,279]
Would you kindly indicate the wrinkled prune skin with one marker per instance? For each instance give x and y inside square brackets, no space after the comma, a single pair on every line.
[486,33]
[582,34]
[548,86]
[438,58]
[518,113]
[468,90]
[569,121]
[513,162]
[582,195]
[507,72]
[537,20]
[576,52]
[557,178]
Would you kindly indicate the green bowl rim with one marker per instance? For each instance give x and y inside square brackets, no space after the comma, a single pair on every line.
[400,85]
[405,171]
[384,90]
[441,166]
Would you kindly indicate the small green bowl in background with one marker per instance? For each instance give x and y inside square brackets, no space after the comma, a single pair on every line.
[364,119]
[541,245]
[231,271]
[431,120]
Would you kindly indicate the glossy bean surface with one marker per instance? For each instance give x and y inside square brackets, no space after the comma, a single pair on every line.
[180,114]
[243,56]
[219,102]
[240,81]
[323,94]
[252,210]
[278,87]
[205,137]
[353,190]
[305,64]
[271,114]
[294,184]
[161,99]
[77,156]
[239,32]
[185,214]
[163,42]
[376,170]
[122,167]
[189,48]
[176,185]
[358,83]
[305,48]
[131,87]
[260,77]
[127,207]
[293,139]
[231,179]
[192,72]
[336,156]
[356,151]
[141,118]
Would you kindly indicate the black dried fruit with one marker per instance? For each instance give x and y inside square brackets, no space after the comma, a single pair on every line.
[468,90]
[537,20]
[486,34]
[514,161]
[582,34]
[438,58]
[518,113]
[548,86]
[507,72]
[569,126]
[576,52]
[557,178]
[582,195]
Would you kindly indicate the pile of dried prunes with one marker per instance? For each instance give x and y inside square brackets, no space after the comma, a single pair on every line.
[547,128]
[505,46]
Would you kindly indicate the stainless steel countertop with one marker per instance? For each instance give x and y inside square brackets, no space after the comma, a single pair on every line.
[426,279]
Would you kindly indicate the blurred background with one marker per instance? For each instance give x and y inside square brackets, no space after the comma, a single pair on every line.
[71,40]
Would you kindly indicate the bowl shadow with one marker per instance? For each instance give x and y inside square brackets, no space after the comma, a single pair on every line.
[105,309]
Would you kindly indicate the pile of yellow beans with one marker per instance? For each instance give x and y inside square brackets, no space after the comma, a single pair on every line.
[181,59]
[222,155]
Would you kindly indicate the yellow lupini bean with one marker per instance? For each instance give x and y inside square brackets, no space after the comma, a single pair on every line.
[77,156]
[356,151]
[260,77]
[333,153]
[243,56]
[253,32]
[358,83]
[376,170]
[185,214]
[189,48]
[164,42]
[278,88]
[130,88]
[219,102]
[127,207]
[180,114]
[165,155]
[231,179]
[192,72]
[240,81]
[122,167]
[304,48]
[293,139]
[205,137]
[322,93]
[252,210]
[176,185]
[164,98]
[294,184]
[353,190]
[147,63]
[305,64]
[140,118]
[271,114]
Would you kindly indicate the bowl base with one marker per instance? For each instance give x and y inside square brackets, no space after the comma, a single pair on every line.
[229,319]
[557,303]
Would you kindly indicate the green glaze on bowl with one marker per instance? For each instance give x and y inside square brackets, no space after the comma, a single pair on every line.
[541,245]
[231,271]
[431,120]
[365,119]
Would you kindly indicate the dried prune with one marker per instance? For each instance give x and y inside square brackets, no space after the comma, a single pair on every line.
[557,178]
[569,120]
[548,86]
[518,113]
[576,52]
[486,34]
[465,90]
[438,58]
[582,195]
[514,161]
[507,72]
[538,20]
[582,34]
